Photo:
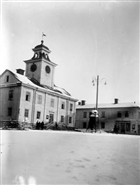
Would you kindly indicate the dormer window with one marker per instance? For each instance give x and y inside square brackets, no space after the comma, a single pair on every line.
[7,78]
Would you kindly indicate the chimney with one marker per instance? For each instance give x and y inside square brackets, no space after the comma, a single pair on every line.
[83,102]
[20,71]
[116,101]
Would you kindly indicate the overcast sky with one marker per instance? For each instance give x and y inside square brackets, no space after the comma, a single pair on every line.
[86,39]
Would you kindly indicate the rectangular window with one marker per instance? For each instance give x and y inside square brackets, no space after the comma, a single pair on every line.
[139,115]
[119,114]
[84,125]
[28,94]
[128,127]
[126,114]
[71,106]
[7,78]
[9,111]
[51,118]
[52,102]
[84,114]
[90,114]
[102,125]
[26,113]
[11,93]
[62,119]
[70,119]
[38,114]
[63,105]
[103,114]
[39,99]
[133,127]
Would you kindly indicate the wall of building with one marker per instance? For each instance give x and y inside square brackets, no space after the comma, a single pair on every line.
[110,118]
[11,79]
[46,107]
[26,104]
[13,104]
[47,79]
[36,73]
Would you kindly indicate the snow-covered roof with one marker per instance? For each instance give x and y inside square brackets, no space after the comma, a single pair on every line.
[109,105]
[26,80]
[61,90]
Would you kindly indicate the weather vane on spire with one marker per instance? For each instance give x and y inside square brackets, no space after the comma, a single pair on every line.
[43,35]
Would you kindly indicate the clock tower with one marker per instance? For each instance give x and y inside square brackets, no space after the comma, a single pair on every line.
[40,67]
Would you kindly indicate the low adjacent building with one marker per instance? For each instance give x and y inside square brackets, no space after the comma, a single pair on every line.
[125,115]
[34,96]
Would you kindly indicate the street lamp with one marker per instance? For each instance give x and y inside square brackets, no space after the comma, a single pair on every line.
[97,81]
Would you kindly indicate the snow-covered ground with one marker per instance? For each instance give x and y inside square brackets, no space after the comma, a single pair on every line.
[56,157]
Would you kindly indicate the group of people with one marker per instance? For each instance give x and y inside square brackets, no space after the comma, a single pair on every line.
[39,125]
[93,119]
[116,129]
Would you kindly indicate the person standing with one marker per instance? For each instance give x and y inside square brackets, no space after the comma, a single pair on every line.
[42,125]
[93,120]
[37,125]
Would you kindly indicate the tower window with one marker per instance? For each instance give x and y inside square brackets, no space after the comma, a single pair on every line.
[28,94]
[11,92]
[48,69]
[33,67]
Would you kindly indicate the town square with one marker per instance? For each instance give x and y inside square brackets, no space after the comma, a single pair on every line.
[69,93]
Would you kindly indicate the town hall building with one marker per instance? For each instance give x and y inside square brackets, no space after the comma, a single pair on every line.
[34,96]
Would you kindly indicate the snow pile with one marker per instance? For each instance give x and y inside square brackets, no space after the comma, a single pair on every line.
[54,157]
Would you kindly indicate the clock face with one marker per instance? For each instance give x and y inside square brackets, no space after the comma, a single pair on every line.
[48,69]
[33,67]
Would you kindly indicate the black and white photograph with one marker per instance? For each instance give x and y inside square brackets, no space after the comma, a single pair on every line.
[69,92]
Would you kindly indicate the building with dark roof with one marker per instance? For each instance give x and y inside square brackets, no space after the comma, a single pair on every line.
[126,116]
[34,96]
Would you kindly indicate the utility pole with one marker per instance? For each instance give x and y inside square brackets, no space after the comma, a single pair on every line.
[94,81]
[97,92]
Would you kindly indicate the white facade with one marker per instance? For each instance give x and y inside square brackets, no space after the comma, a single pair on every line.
[125,115]
[34,97]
